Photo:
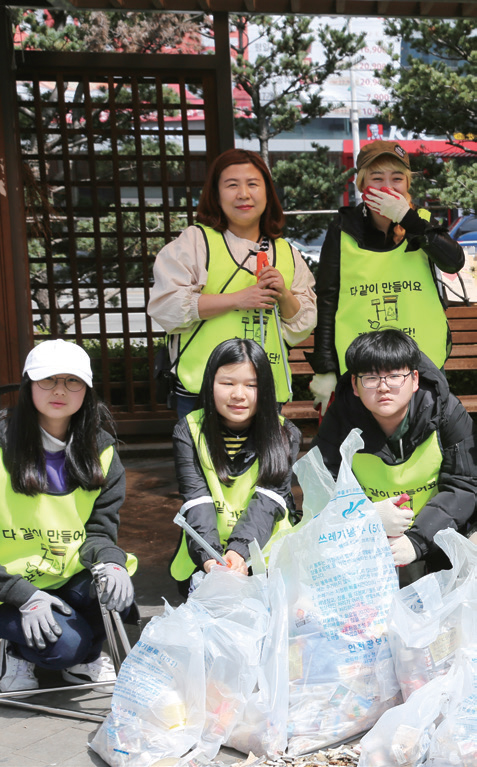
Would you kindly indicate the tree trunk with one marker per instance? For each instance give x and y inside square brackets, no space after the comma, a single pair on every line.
[264,151]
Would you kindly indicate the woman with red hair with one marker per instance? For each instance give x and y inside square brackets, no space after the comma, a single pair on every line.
[209,285]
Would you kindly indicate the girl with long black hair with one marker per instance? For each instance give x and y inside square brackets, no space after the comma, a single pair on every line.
[234,459]
[61,487]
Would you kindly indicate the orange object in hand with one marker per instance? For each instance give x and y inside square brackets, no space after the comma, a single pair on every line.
[262,260]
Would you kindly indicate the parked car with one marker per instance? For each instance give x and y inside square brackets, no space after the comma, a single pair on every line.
[311,250]
[464,230]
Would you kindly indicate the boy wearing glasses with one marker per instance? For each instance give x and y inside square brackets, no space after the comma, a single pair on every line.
[418,440]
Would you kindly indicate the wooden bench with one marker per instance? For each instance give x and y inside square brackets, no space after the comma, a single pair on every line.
[300,409]
[463,324]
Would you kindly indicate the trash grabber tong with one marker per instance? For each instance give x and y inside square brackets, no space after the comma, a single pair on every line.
[97,571]
[262,260]
[179,520]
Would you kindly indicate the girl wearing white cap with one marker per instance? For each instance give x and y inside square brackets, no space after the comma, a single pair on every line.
[61,488]
[378,269]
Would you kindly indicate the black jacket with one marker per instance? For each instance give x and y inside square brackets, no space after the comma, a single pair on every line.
[441,249]
[262,512]
[432,408]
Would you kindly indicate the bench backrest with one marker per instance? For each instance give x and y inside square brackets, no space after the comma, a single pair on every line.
[462,322]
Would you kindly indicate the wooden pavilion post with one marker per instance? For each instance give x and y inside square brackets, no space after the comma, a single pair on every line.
[16,331]
[225,110]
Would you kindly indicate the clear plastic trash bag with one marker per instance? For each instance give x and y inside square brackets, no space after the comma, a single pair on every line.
[454,743]
[158,704]
[339,579]
[402,736]
[187,681]
[234,615]
[433,617]
[262,729]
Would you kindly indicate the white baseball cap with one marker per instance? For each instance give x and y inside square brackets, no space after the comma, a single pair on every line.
[50,358]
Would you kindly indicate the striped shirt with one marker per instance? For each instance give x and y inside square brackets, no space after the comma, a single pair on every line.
[234,442]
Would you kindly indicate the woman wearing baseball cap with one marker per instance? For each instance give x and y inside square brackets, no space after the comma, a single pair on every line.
[378,269]
[61,487]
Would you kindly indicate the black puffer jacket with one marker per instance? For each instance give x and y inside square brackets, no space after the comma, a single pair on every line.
[432,408]
[434,240]
[262,512]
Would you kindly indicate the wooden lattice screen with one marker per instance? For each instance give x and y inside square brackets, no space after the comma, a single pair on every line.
[114,162]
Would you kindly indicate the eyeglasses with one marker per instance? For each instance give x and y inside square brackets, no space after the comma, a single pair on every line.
[71,383]
[392,380]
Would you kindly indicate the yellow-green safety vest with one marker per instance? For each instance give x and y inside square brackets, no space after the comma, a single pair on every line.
[196,346]
[41,535]
[230,502]
[393,289]
[418,476]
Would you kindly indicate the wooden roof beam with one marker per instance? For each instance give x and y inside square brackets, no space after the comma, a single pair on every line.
[410,8]
[64,5]
[469,9]
[441,8]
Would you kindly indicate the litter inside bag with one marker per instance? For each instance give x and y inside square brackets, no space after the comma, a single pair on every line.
[454,743]
[404,735]
[158,704]
[187,681]
[429,620]
[234,616]
[262,729]
[339,578]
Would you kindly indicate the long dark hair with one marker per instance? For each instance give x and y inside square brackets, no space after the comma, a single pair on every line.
[211,214]
[23,453]
[271,441]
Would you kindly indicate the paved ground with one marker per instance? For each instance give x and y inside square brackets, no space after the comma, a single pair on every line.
[30,739]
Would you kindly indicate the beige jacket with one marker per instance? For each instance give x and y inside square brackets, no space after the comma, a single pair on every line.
[180,274]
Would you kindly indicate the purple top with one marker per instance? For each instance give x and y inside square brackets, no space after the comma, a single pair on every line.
[55,472]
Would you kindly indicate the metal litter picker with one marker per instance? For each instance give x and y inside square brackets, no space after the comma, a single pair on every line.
[179,520]
[262,260]
[109,616]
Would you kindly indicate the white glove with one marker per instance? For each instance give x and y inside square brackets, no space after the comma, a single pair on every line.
[402,550]
[389,204]
[38,620]
[395,519]
[118,591]
[322,386]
